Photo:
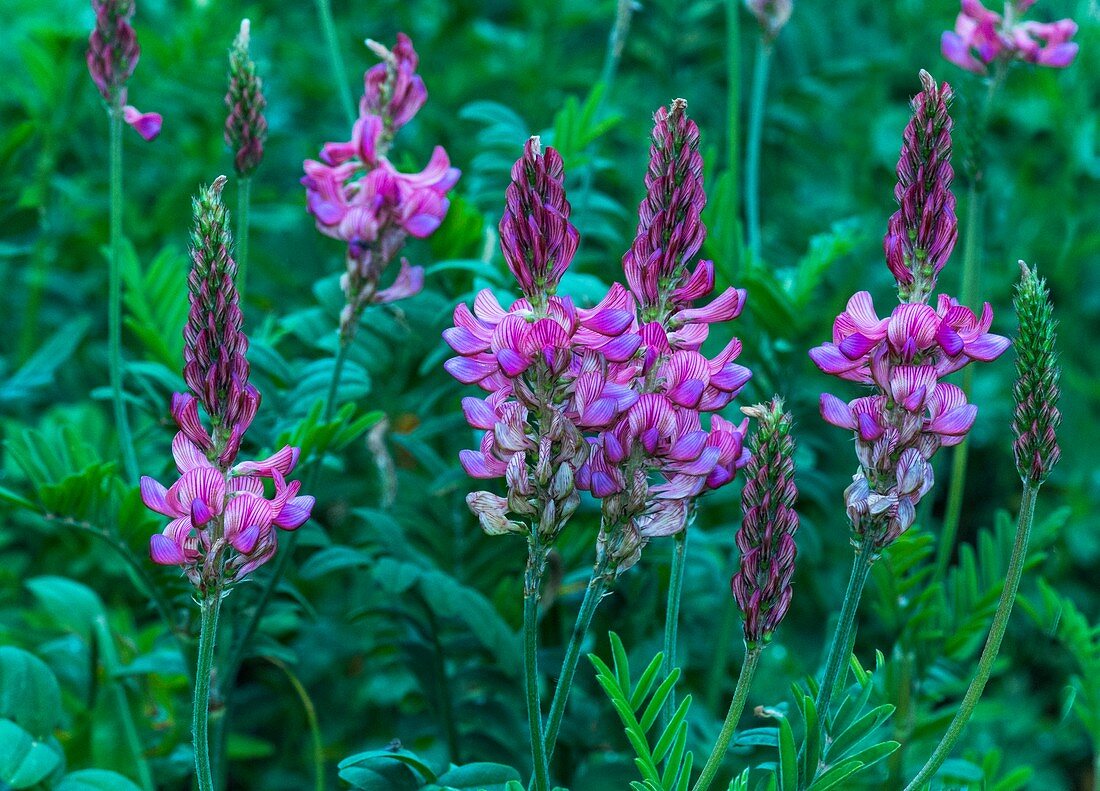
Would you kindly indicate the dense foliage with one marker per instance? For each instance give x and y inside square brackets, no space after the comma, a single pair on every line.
[390,654]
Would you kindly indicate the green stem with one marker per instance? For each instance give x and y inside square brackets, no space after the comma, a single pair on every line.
[311,723]
[845,627]
[733,125]
[672,618]
[968,294]
[532,583]
[114,301]
[756,126]
[737,705]
[993,640]
[210,606]
[598,585]
[335,59]
[244,203]
[282,560]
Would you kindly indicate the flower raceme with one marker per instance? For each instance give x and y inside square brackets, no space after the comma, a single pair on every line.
[223,523]
[113,53]
[762,585]
[982,37]
[905,355]
[358,196]
[1036,391]
[621,385]
[245,125]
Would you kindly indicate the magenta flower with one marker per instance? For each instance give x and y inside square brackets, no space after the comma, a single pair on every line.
[357,195]
[145,124]
[982,36]
[905,355]
[113,53]
[222,522]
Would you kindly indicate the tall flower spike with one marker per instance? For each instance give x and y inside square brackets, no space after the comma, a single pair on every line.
[215,367]
[245,125]
[536,237]
[1037,372]
[113,49]
[923,231]
[762,587]
[670,231]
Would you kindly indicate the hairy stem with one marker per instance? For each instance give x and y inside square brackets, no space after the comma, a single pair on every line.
[114,301]
[845,628]
[210,606]
[672,618]
[532,584]
[244,204]
[756,127]
[993,640]
[737,705]
[733,126]
[335,59]
[598,585]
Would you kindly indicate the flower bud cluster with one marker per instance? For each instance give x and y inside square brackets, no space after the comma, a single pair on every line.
[245,125]
[113,53]
[607,399]
[223,524]
[1036,390]
[904,357]
[982,37]
[762,586]
[357,195]
[923,231]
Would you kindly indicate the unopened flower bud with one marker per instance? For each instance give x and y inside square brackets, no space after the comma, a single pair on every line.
[1036,391]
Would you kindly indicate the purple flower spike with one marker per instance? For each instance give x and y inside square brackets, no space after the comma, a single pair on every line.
[982,37]
[358,196]
[922,233]
[762,586]
[245,124]
[223,525]
[906,355]
[536,237]
[113,49]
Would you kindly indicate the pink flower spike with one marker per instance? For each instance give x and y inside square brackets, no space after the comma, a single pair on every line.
[145,124]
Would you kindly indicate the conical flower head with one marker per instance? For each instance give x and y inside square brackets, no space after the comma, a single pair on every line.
[923,231]
[762,586]
[1036,390]
[113,49]
[245,125]
[670,231]
[536,237]
[215,367]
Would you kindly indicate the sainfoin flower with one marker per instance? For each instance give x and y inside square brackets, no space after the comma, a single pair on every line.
[113,53]
[982,37]
[771,15]
[905,355]
[223,521]
[358,196]
[1036,390]
[762,585]
[606,399]
[245,124]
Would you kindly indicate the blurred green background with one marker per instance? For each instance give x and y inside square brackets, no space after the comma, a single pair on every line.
[400,616]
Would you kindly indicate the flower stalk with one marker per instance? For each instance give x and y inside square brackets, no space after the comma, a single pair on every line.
[672,617]
[210,607]
[532,588]
[733,716]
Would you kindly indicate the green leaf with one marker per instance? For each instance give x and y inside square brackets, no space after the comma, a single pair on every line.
[95,780]
[333,559]
[29,693]
[477,777]
[24,761]
[39,369]
[788,757]
[73,606]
